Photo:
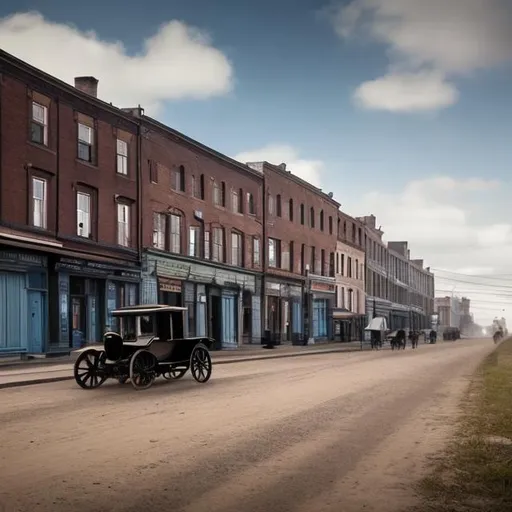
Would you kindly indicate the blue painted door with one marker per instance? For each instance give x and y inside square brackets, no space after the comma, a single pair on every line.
[297,317]
[35,321]
[229,338]
[13,313]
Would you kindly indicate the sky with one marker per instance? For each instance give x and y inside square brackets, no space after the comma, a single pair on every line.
[401,108]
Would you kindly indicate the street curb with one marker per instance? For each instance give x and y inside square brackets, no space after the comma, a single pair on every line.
[48,380]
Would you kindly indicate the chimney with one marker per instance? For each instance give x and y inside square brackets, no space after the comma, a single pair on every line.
[282,166]
[87,84]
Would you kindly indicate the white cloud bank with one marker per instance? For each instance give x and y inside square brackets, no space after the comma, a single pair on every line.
[429,43]
[309,170]
[177,62]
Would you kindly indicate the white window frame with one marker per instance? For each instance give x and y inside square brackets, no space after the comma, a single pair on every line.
[194,241]
[83,214]
[175,233]
[272,253]
[235,201]
[256,252]
[39,204]
[41,121]
[159,225]
[87,140]
[217,193]
[123,224]
[122,157]
[207,245]
[218,245]
[237,248]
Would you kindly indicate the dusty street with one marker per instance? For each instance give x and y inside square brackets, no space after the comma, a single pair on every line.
[333,432]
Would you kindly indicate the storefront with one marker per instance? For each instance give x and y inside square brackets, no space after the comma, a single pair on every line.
[377,307]
[83,294]
[399,317]
[322,298]
[23,302]
[222,302]
[284,311]
[348,326]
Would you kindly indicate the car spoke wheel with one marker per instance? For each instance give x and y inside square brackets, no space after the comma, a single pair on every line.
[201,363]
[175,373]
[142,369]
[89,369]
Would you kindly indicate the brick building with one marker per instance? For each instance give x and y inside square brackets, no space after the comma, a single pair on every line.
[69,242]
[300,244]
[202,233]
[349,314]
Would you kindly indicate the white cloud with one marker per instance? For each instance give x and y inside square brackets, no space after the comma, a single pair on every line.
[407,92]
[309,170]
[445,37]
[177,62]
[439,218]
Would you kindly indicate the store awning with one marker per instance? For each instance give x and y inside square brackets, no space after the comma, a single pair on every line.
[343,314]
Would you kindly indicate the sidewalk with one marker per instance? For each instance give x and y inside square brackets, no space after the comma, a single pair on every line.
[41,371]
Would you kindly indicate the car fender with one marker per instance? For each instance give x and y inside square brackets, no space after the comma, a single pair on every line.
[99,348]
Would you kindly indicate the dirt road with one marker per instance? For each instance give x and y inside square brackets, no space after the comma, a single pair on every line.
[336,432]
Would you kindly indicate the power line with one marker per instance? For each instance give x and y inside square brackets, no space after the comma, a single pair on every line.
[498,277]
[453,280]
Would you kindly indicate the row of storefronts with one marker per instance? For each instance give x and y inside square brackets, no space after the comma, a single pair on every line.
[53,303]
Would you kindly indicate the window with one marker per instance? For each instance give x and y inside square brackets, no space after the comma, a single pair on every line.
[153,171]
[357,269]
[274,253]
[290,210]
[349,266]
[39,124]
[175,233]
[270,205]
[198,187]
[194,242]
[322,262]
[342,265]
[302,214]
[302,259]
[331,265]
[39,203]
[206,245]
[159,221]
[218,244]
[237,249]
[285,256]
[219,194]
[178,179]
[83,214]
[122,157]
[279,210]
[321,220]
[312,260]
[235,201]
[292,256]
[312,217]
[256,261]
[330,225]
[85,142]
[251,208]
[123,224]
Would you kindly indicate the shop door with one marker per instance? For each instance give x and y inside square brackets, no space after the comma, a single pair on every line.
[297,318]
[229,337]
[35,321]
[13,313]
[216,320]
[78,321]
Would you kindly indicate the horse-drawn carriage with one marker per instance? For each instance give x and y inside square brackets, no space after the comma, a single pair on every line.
[150,343]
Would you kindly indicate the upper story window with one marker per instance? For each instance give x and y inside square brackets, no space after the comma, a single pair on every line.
[237,252]
[39,124]
[256,258]
[159,229]
[321,220]
[330,225]
[122,157]
[194,241]
[83,214]
[178,179]
[271,207]
[236,201]
[312,217]
[279,207]
[39,202]
[302,214]
[198,186]
[85,142]
[274,253]
[175,233]
[218,245]
[123,224]
[251,207]
[219,193]
[290,210]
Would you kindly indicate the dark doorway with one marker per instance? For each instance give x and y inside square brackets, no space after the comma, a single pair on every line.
[216,320]
[247,318]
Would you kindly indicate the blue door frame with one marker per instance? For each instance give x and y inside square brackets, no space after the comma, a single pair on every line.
[36,323]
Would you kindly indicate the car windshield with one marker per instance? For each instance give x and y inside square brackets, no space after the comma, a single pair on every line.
[147,325]
[129,328]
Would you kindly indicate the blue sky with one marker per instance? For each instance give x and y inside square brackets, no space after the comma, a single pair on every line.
[296,67]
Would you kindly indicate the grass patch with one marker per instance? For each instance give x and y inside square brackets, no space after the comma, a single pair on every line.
[475,471]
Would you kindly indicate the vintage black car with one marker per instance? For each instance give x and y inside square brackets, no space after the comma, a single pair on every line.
[150,343]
